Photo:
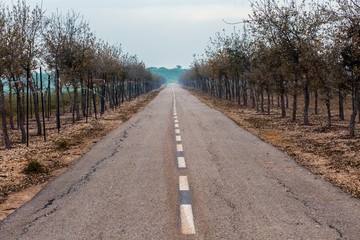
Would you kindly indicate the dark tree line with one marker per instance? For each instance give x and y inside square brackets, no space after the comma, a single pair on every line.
[49,60]
[287,50]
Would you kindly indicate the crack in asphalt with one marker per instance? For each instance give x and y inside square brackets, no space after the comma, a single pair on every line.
[76,185]
[339,232]
[291,194]
[229,203]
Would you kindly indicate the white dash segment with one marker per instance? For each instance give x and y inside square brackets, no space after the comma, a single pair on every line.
[187,219]
[175,117]
[176,125]
[177,131]
[179,147]
[183,183]
[176,121]
[181,162]
[178,138]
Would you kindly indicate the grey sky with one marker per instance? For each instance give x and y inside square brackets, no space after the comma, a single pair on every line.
[160,32]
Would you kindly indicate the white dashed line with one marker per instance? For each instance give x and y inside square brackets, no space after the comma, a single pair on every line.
[187,219]
[173,91]
[183,183]
[179,147]
[186,213]
[181,162]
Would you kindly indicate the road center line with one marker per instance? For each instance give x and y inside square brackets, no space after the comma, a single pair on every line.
[183,183]
[179,147]
[187,219]
[186,213]
[181,162]
[172,86]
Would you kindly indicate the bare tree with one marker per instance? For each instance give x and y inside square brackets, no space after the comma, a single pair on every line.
[3,56]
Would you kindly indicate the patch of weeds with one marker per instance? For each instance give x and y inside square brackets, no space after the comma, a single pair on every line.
[97,126]
[63,144]
[257,122]
[35,167]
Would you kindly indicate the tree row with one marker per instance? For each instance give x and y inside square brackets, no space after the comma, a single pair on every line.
[43,56]
[287,49]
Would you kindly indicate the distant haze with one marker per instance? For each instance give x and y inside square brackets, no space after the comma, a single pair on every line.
[171,75]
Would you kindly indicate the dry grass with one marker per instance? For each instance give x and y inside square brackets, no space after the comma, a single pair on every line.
[324,151]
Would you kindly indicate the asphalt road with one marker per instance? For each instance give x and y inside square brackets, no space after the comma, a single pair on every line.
[185,173]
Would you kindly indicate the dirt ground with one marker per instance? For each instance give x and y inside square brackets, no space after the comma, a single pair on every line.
[326,152]
[57,153]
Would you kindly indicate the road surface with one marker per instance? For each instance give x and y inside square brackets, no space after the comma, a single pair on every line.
[181,170]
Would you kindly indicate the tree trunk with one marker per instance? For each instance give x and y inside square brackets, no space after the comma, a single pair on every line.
[306,103]
[76,102]
[71,109]
[244,92]
[11,114]
[268,100]
[21,111]
[103,92]
[294,112]
[282,102]
[3,117]
[83,97]
[327,102]
[94,97]
[123,90]
[62,100]
[316,107]
[341,103]
[57,90]
[36,108]
[282,95]
[49,99]
[355,102]
[262,101]
[252,95]
[238,92]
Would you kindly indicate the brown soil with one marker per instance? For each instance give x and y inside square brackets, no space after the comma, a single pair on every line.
[61,150]
[326,152]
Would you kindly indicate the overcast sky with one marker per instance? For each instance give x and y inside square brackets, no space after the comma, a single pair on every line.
[160,32]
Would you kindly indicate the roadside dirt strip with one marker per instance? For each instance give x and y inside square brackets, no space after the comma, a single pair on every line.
[181,170]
